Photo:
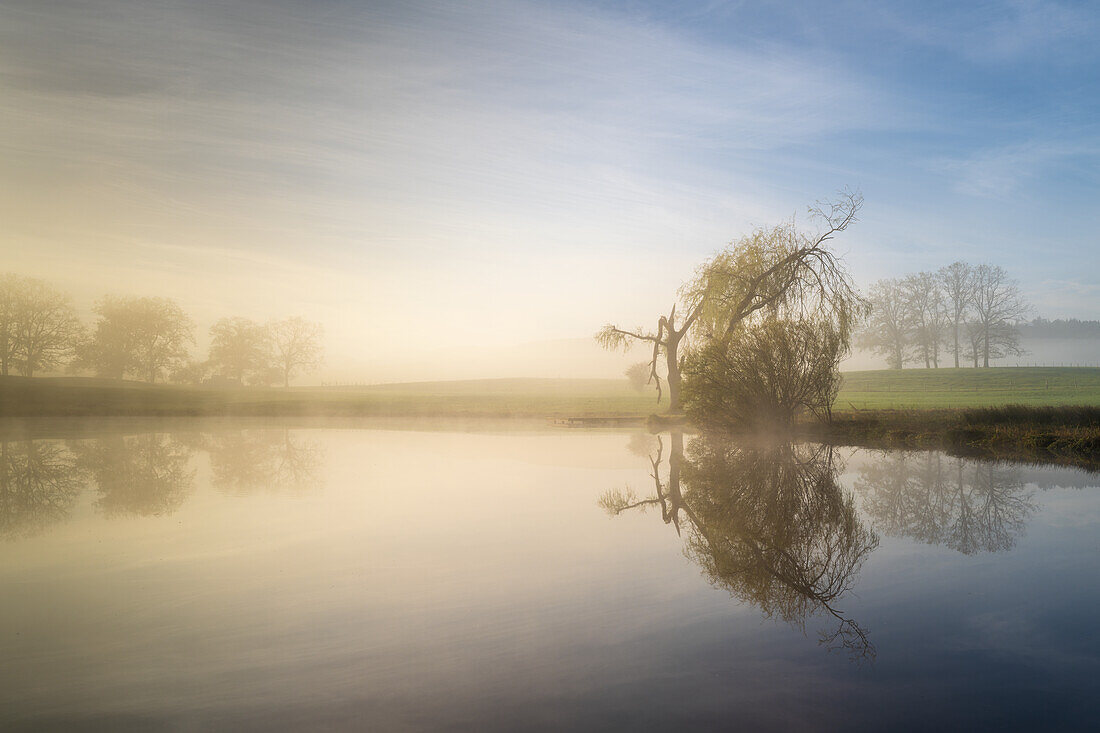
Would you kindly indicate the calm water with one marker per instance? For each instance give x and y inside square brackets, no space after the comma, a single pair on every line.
[259,578]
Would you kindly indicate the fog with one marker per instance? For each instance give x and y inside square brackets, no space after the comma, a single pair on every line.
[458,191]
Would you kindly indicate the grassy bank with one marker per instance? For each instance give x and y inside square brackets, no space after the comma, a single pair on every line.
[1010,413]
[917,389]
[1068,435]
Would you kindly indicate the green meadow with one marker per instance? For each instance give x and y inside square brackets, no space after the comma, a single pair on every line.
[530,398]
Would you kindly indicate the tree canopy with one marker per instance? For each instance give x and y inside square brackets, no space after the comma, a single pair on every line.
[780,270]
[145,338]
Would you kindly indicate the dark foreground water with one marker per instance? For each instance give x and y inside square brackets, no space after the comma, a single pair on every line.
[311,579]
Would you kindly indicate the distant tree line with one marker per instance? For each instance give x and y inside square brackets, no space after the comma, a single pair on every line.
[146,339]
[971,313]
[1041,328]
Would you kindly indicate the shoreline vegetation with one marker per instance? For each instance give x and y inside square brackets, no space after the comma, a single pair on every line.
[1036,414]
[1064,435]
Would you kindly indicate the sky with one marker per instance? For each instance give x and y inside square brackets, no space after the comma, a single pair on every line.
[463,178]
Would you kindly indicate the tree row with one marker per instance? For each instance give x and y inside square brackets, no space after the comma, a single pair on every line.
[971,312]
[147,339]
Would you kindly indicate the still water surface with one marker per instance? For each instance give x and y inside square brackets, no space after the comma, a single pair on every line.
[237,577]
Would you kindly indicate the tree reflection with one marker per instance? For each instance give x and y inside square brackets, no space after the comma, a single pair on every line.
[768,524]
[970,507]
[247,461]
[39,483]
[146,475]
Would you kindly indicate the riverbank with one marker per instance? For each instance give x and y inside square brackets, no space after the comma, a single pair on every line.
[1042,433]
[1065,435]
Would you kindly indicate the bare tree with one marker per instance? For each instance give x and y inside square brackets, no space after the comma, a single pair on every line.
[297,345]
[957,281]
[973,348]
[44,327]
[775,270]
[927,315]
[10,290]
[998,304]
[887,331]
[138,337]
[240,348]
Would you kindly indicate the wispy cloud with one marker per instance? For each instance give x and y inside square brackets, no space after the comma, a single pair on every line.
[461,147]
[1004,171]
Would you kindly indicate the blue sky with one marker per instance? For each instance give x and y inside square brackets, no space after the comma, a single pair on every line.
[445,173]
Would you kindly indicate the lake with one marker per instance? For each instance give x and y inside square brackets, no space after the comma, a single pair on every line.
[242,576]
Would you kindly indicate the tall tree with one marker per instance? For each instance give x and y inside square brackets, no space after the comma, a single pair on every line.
[998,305]
[139,337]
[888,329]
[927,315]
[240,348]
[957,281]
[297,346]
[44,326]
[779,270]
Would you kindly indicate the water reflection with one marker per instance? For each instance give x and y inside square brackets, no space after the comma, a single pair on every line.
[39,482]
[144,475]
[771,525]
[149,474]
[247,461]
[967,506]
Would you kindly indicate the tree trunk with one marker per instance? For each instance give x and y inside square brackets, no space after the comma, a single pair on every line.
[675,458]
[956,344]
[672,361]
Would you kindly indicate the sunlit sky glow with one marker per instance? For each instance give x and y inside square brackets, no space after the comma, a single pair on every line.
[424,176]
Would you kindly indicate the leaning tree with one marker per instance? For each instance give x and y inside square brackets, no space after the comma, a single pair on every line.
[774,270]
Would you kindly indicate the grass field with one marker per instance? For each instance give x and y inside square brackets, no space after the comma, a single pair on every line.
[945,388]
[531,398]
